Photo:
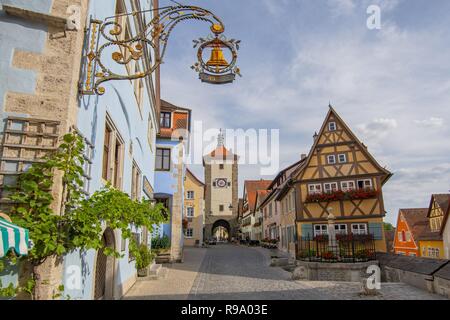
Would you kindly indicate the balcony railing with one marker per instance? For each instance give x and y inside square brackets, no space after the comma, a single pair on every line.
[349,248]
[339,195]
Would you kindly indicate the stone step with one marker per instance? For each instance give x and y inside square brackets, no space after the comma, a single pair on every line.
[162,259]
[155,269]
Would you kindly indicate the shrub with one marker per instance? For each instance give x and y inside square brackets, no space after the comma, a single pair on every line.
[161,242]
[144,258]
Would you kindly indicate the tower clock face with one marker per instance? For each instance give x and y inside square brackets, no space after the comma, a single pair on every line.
[221,183]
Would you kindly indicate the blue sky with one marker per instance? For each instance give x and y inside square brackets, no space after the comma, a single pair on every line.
[391,86]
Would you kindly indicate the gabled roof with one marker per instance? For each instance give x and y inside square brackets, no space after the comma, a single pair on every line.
[194,177]
[443,200]
[363,148]
[417,221]
[251,188]
[181,120]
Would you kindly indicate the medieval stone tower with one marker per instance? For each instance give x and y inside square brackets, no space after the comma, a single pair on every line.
[221,192]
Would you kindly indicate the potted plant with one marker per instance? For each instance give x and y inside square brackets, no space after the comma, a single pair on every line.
[143,259]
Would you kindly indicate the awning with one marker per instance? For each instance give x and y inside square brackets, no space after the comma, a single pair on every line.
[13,237]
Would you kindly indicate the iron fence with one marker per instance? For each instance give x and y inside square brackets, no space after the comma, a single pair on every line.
[349,248]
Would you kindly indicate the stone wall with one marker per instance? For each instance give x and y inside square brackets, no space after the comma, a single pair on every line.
[432,275]
[319,271]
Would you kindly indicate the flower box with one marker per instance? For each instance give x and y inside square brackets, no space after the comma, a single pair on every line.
[338,195]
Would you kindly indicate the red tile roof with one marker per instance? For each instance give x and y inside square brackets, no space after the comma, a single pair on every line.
[251,188]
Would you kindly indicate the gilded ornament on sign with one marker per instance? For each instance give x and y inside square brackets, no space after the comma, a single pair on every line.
[99,68]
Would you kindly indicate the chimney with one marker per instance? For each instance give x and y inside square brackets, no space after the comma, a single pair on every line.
[303,156]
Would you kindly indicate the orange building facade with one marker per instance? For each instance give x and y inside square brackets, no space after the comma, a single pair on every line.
[410,223]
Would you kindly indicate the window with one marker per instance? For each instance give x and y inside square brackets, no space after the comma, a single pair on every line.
[408,236]
[136,178]
[342,158]
[275,205]
[221,207]
[265,213]
[331,159]
[190,195]
[165,120]
[400,236]
[365,184]
[347,185]
[270,210]
[162,159]
[314,188]
[320,229]
[359,228]
[340,228]
[189,233]
[190,212]
[113,147]
[330,187]
[332,126]
[221,166]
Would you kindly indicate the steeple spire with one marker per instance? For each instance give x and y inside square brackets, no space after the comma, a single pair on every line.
[220,139]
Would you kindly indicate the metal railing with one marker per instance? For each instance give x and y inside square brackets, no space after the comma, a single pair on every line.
[349,248]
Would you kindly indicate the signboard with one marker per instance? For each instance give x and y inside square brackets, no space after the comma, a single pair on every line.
[147,188]
[217,79]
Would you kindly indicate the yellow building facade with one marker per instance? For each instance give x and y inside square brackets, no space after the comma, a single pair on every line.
[342,178]
[194,203]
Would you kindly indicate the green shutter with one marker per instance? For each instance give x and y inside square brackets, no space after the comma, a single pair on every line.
[307,230]
[376,228]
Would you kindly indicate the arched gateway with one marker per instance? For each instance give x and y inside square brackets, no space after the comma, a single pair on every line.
[221,230]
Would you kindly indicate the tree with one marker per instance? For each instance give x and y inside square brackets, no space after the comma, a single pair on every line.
[388,226]
[77,221]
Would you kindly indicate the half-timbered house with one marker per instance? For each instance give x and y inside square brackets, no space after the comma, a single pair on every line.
[342,178]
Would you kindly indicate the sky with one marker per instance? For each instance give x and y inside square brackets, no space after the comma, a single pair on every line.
[390,85]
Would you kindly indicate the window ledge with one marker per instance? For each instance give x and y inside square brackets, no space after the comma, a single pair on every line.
[50,20]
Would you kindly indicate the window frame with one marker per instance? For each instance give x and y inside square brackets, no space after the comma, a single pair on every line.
[364,183]
[342,155]
[359,224]
[191,232]
[323,229]
[190,194]
[162,159]
[163,119]
[332,126]
[331,156]
[190,213]
[331,189]
[348,188]
[315,191]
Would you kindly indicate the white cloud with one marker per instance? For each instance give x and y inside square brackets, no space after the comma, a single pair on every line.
[341,7]
[432,122]
[378,127]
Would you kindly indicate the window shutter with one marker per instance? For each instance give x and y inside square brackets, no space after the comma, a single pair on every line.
[307,230]
[376,228]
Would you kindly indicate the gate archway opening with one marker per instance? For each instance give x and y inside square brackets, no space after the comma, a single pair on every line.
[221,230]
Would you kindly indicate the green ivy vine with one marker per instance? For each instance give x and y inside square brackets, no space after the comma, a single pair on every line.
[75,222]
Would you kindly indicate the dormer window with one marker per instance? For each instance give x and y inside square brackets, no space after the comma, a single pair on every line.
[332,126]
[165,120]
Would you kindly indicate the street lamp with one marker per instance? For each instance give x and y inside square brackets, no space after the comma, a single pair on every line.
[104,35]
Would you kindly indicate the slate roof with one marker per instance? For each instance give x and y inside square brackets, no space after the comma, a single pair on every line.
[424,266]
[417,221]
[444,272]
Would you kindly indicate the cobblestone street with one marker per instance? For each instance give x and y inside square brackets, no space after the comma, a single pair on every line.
[239,272]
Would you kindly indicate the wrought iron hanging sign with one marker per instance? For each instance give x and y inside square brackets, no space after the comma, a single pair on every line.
[110,47]
[217,70]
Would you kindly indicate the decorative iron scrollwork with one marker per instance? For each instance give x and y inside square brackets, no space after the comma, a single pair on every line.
[111,46]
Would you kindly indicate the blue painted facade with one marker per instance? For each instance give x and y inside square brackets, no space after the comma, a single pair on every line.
[136,124]
[132,123]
